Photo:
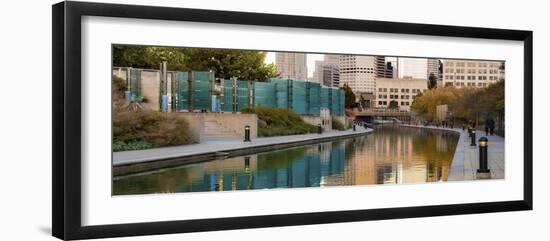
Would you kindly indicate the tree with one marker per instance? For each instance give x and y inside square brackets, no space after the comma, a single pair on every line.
[148,57]
[393,105]
[243,64]
[465,103]
[349,97]
[432,81]
[426,103]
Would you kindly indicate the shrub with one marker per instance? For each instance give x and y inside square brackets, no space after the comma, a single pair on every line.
[279,122]
[337,125]
[137,128]
[133,145]
[119,86]
[159,129]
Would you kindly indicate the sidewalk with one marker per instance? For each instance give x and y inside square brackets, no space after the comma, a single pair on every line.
[213,147]
[466,163]
[466,158]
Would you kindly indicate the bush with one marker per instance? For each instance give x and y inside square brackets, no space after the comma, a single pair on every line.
[119,86]
[133,145]
[279,122]
[144,129]
[159,129]
[337,125]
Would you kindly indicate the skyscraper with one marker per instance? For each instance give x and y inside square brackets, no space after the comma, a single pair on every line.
[327,71]
[291,65]
[433,68]
[383,69]
[332,59]
[358,72]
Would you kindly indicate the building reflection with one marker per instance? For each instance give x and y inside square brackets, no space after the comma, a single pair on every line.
[392,155]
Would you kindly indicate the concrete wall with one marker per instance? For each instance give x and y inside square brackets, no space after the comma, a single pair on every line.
[150,87]
[316,120]
[120,72]
[235,122]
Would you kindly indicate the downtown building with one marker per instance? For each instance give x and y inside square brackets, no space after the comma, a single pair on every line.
[402,91]
[471,73]
[383,69]
[412,68]
[358,72]
[291,65]
[327,71]
[434,68]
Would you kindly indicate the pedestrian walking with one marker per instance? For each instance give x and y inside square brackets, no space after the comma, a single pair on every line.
[491,126]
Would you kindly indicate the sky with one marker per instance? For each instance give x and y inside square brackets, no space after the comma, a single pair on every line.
[311,58]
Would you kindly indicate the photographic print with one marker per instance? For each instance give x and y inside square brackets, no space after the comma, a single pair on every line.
[163,117]
[204,120]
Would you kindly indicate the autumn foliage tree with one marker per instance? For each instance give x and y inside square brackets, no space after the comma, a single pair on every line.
[465,103]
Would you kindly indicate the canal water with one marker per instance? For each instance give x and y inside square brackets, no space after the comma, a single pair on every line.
[389,155]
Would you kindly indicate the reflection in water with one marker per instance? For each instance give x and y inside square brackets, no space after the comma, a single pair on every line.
[391,154]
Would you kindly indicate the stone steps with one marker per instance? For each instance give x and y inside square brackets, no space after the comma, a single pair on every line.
[214,129]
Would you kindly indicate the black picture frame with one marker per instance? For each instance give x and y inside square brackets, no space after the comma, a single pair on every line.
[66,75]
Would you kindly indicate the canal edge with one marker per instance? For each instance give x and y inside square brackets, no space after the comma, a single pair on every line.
[151,164]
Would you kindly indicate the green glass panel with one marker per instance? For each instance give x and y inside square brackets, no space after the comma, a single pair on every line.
[202,86]
[264,94]
[183,90]
[227,105]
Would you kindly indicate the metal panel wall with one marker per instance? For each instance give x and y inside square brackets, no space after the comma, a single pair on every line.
[202,86]
[183,94]
[265,94]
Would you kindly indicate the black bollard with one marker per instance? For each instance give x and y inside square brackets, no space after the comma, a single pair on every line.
[473,138]
[483,166]
[353,126]
[247,133]
[320,129]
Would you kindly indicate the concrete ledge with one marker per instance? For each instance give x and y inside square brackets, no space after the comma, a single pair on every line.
[146,160]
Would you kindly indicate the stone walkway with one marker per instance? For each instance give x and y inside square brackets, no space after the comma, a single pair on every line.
[219,146]
[465,167]
[466,159]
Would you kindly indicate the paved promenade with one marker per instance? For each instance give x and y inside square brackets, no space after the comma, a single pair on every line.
[215,147]
[466,159]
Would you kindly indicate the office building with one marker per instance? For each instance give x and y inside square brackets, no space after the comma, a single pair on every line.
[358,72]
[470,73]
[383,69]
[403,91]
[291,65]
[327,72]
[412,68]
